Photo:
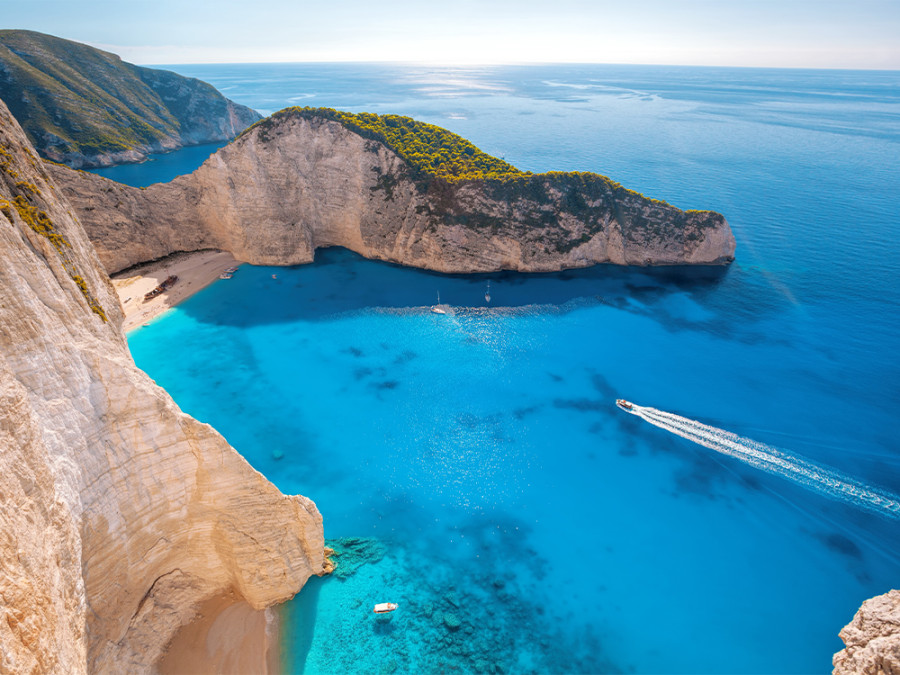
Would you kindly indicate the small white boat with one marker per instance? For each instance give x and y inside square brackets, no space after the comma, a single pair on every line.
[487,293]
[627,406]
[226,275]
[439,308]
[385,607]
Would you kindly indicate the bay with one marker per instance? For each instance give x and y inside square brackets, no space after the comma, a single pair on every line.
[522,521]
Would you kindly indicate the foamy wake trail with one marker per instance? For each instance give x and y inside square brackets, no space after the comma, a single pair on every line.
[826,481]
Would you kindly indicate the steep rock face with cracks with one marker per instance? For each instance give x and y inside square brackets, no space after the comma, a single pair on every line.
[119,514]
[302,180]
[872,639]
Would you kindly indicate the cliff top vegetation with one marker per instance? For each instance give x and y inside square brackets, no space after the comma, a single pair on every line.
[427,148]
[74,99]
[434,152]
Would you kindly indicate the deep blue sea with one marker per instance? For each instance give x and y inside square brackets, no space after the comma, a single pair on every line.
[473,467]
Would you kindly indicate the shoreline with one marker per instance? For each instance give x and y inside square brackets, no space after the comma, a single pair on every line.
[195,271]
[226,635]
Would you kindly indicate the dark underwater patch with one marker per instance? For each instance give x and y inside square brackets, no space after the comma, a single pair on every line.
[838,543]
[405,357]
[579,404]
[603,386]
[522,413]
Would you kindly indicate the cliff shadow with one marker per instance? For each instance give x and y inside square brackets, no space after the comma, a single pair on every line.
[340,281]
[298,619]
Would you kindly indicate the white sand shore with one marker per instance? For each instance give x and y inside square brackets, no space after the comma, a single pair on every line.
[227,636]
[194,270]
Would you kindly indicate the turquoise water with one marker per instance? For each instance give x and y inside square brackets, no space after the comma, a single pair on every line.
[473,467]
[160,168]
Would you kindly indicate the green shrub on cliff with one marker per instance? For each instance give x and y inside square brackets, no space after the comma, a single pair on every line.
[427,148]
[75,100]
[439,161]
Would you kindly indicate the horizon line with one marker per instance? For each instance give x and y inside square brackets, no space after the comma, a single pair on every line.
[464,64]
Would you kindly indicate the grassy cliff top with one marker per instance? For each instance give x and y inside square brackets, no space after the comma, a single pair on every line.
[71,98]
[427,148]
[435,152]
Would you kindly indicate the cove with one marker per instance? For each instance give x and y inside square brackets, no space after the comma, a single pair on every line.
[473,467]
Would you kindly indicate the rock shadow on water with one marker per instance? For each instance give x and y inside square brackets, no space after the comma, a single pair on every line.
[298,624]
[340,282]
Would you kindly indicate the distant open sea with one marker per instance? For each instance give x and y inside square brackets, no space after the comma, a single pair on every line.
[522,522]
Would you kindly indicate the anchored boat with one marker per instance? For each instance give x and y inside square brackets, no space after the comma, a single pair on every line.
[385,607]
[439,308]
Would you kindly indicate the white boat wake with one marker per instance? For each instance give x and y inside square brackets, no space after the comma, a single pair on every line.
[826,481]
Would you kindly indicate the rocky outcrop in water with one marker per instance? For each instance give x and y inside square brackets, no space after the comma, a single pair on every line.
[86,107]
[872,639]
[119,514]
[298,182]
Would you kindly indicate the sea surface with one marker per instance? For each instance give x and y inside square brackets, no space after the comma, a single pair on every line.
[473,467]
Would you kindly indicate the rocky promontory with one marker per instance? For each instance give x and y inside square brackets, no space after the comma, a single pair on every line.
[872,639]
[120,516]
[85,107]
[388,188]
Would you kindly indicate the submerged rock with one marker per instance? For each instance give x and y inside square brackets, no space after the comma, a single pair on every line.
[351,553]
[451,621]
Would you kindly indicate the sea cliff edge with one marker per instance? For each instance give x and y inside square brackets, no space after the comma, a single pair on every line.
[119,514]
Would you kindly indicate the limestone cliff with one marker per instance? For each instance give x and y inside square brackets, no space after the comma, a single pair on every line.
[86,107]
[119,514]
[872,639]
[301,180]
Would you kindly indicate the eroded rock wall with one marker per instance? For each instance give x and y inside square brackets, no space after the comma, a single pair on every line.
[872,639]
[290,186]
[119,514]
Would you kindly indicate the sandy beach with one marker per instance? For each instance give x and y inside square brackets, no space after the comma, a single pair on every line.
[227,636]
[195,270]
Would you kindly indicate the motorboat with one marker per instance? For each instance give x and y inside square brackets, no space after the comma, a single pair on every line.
[625,405]
[385,607]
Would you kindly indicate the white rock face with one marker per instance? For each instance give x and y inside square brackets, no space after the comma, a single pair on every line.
[119,514]
[872,639]
[295,184]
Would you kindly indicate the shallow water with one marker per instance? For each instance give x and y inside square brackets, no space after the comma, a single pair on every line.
[521,520]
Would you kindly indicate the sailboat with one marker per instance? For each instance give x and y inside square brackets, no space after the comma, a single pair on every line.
[487,293]
[438,308]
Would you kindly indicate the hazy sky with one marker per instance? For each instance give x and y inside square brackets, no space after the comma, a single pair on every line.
[785,33]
